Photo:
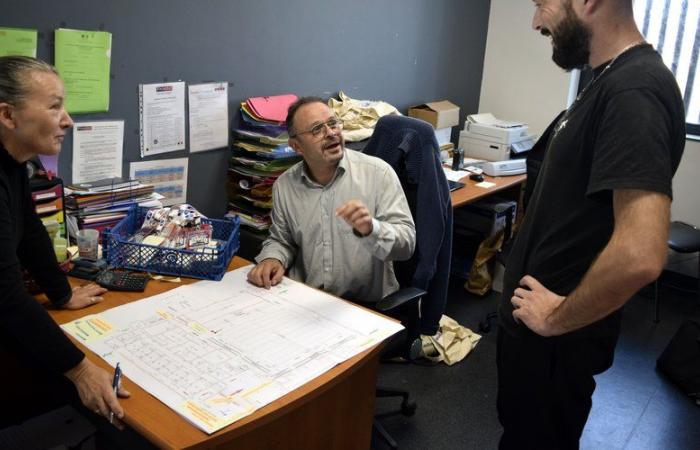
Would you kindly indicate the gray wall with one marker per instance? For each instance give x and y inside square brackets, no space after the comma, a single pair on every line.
[401,51]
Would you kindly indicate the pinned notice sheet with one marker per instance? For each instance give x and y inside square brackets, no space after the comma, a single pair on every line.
[83,60]
[97,150]
[162,117]
[168,177]
[208,116]
[17,41]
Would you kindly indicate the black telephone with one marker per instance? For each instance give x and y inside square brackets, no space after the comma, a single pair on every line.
[86,269]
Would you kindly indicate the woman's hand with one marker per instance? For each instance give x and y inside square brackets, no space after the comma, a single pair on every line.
[95,389]
[85,296]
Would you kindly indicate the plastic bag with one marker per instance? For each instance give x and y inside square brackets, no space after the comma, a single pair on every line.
[481,274]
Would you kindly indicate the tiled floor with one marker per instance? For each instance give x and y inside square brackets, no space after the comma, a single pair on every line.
[634,407]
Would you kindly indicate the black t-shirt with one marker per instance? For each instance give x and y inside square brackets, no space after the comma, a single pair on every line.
[627,131]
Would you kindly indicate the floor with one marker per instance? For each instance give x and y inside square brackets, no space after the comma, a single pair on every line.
[634,407]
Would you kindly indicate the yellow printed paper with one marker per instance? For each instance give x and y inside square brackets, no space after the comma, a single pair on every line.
[198,328]
[89,328]
[164,314]
[202,417]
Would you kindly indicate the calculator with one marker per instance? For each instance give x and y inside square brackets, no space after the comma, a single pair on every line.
[122,280]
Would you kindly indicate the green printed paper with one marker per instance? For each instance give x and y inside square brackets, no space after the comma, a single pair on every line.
[17,41]
[82,60]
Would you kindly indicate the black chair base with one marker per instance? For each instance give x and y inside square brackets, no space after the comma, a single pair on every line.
[487,323]
[380,432]
[406,345]
[408,409]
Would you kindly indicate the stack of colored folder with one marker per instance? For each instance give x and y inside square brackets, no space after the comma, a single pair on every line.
[260,156]
[100,207]
[267,114]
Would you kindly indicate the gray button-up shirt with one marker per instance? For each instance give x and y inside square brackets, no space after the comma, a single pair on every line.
[321,249]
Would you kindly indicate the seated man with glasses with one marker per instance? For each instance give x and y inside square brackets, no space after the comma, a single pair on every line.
[339,217]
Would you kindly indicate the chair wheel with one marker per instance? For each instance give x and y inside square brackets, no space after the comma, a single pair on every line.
[408,408]
[486,324]
[416,350]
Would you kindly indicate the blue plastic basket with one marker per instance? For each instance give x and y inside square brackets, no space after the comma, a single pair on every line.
[209,264]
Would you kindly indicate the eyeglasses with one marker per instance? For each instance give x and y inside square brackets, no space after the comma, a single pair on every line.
[334,124]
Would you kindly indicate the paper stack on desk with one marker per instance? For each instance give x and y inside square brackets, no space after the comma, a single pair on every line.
[217,351]
[103,203]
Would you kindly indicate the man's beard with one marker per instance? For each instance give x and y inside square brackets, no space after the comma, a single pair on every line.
[571,42]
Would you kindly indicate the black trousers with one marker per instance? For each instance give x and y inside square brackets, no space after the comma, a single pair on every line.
[30,390]
[545,387]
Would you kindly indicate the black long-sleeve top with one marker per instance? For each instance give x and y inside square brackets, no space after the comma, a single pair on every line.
[24,242]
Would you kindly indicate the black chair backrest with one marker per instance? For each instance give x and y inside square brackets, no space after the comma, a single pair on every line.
[409,146]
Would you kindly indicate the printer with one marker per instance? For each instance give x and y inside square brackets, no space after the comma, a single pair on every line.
[503,168]
[488,138]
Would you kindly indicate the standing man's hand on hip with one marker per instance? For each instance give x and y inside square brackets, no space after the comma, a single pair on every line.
[534,305]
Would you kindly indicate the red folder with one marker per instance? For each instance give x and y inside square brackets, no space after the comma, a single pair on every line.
[272,108]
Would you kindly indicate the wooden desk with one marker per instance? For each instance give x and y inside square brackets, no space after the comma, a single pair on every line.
[334,411]
[507,186]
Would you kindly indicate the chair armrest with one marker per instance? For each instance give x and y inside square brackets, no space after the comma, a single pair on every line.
[398,298]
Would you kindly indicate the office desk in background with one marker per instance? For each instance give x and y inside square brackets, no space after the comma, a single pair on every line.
[508,187]
[333,411]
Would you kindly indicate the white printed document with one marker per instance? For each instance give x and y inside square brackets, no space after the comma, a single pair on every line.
[162,117]
[490,119]
[217,351]
[97,150]
[454,175]
[168,177]
[208,116]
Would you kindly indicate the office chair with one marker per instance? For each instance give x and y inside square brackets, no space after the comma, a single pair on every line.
[402,305]
[409,146]
[683,238]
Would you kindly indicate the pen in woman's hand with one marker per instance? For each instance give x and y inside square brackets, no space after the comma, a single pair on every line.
[115,385]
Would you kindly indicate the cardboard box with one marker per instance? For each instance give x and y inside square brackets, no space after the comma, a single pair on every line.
[440,114]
